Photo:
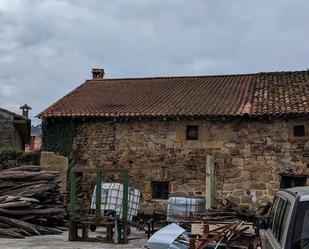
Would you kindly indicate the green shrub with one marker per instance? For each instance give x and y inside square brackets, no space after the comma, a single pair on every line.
[12,154]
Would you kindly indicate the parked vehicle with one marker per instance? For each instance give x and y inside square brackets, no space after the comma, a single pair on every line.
[288,223]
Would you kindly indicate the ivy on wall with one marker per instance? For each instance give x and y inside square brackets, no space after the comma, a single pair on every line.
[58,135]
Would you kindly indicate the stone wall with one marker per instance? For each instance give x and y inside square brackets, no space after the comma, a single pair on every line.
[9,135]
[6,130]
[51,161]
[249,155]
[17,140]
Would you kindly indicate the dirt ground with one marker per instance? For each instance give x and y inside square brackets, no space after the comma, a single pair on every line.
[61,242]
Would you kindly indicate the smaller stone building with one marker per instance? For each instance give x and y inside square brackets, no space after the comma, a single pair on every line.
[15,130]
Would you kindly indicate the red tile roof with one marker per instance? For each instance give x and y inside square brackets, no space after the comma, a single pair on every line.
[196,96]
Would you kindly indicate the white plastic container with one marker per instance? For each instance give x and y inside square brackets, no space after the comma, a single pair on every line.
[180,207]
[112,199]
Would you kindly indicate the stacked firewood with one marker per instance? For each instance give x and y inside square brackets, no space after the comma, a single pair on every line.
[30,202]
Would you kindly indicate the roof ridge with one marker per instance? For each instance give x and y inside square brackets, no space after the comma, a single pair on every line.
[168,77]
[198,76]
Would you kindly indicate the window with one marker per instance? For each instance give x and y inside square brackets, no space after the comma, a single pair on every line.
[160,189]
[291,181]
[305,231]
[301,226]
[278,218]
[272,213]
[192,132]
[284,221]
[299,131]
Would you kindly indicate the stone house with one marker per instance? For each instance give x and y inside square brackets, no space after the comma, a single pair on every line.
[163,129]
[15,130]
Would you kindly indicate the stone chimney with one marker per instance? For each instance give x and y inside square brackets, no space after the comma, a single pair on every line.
[98,73]
[25,110]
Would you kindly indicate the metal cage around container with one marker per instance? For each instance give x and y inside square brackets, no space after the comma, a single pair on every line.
[112,200]
[180,208]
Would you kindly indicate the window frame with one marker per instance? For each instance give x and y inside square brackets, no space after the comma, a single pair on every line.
[291,181]
[294,131]
[273,213]
[188,127]
[164,194]
[282,211]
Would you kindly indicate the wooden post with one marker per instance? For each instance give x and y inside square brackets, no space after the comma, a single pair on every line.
[206,230]
[125,203]
[192,243]
[73,229]
[210,182]
[98,195]
[73,198]
[85,232]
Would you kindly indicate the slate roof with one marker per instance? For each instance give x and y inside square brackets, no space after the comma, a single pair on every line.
[274,93]
[15,115]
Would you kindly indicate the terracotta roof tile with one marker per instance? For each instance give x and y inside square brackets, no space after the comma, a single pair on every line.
[226,95]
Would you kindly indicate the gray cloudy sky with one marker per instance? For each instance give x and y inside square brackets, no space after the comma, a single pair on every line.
[48,47]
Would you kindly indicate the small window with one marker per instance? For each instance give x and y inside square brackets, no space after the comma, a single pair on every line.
[299,130]
[160,189]
[192,132]
[291,181]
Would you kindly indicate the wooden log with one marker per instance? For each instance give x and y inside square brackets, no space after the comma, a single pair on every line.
[10,233]
[31,190]
[48,230]
[29,217]
[29,199]
[3,197]
[10,198]
[45,176]
[6,184]
[18,175]
[61,228]
[32,196]
[48,211]
[20,224]
[25,233]
[16,204]
[24,168]
[4,225]
[21,185]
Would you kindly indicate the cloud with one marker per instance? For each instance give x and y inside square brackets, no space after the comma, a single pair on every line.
[48,47]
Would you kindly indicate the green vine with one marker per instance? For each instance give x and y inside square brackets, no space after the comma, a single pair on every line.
[58,135]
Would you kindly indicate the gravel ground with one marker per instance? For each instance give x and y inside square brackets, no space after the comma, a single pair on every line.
[61,242]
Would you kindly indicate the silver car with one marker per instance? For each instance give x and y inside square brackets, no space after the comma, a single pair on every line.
[288,222]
